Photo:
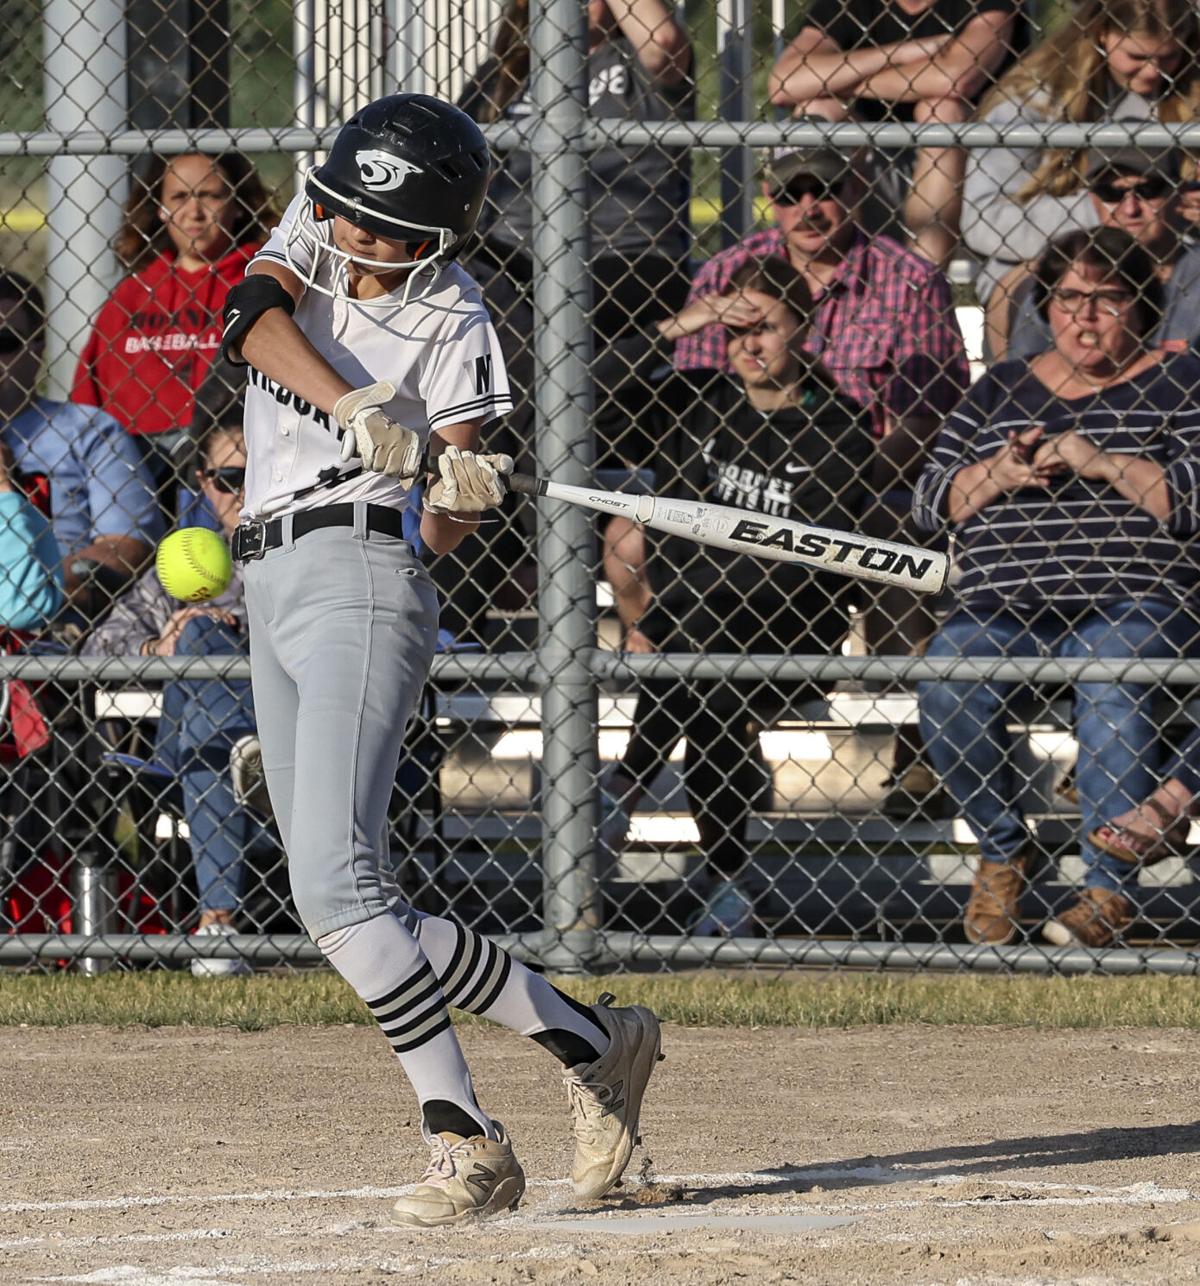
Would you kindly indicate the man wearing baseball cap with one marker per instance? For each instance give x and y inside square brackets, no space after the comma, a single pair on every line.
[1137,190]
[883,324]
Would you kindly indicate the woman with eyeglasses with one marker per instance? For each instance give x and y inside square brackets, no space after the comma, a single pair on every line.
[1071,484]
[192,224]
[1129,60]
[206,735]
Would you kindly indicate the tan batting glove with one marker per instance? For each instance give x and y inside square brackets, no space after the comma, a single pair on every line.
[384,446]
[467,483]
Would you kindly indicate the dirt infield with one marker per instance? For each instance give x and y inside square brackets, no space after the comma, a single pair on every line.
[183,1157]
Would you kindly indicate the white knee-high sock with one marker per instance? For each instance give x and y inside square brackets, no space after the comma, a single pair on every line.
[482,978]
[385,965]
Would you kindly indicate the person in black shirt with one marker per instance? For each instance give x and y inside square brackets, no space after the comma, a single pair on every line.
[778,438]
[907,60]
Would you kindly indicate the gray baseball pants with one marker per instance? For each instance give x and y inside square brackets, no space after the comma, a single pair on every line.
[343,626]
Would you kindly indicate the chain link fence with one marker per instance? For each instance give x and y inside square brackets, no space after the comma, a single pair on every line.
[929,277]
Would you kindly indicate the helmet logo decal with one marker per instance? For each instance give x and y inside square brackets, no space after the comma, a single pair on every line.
[381,171]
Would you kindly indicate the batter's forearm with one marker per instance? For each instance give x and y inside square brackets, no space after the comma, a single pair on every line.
[277,347]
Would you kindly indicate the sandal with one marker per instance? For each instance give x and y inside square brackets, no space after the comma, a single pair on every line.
[1168,840]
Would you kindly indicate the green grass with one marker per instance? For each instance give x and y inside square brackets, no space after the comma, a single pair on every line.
[696,999]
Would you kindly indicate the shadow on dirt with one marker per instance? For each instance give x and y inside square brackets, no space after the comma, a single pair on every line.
[1032,1152]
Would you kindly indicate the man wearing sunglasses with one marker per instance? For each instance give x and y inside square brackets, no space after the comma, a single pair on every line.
[1140,193]
[206,737]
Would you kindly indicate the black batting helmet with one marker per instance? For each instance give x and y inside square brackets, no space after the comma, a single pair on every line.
[408,167]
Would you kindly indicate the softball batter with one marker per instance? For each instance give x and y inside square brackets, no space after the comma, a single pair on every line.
[367,344]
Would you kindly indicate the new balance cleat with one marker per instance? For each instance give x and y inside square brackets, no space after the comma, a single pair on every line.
[606,1098]
[466,1179]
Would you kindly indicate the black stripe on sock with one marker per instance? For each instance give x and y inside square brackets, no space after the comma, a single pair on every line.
[486,1002]
[406,1047]
[459,974]
[399,1031]
[399,1022]
[417,978]
[491,965]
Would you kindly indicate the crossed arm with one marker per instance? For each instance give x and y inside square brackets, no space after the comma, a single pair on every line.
[1028,459]
[952,66]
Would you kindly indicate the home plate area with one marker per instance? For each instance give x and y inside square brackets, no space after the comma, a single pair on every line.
[948,1155]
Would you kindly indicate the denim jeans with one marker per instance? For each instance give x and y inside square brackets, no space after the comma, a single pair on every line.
[964,723]
[201,720]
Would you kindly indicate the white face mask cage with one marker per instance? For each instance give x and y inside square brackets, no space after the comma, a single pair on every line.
[316,240]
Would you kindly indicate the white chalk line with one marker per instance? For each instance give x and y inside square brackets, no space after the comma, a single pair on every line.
[195,1275]
[1134,1194]
[117,1239]
[750,1179]
[756,1178]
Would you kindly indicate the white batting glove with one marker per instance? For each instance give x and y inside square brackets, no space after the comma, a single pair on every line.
[384,446]
[467,483]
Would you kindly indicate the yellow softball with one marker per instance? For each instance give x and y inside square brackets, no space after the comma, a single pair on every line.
[194,564]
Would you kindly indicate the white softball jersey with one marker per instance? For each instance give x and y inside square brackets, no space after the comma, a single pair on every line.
[440,351]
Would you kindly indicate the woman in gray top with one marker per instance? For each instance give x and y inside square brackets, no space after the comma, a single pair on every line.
[639,70]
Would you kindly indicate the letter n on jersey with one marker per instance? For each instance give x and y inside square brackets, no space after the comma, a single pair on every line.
[479,371]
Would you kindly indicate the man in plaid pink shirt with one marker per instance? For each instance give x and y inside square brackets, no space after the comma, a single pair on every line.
[884,323]
[884,326]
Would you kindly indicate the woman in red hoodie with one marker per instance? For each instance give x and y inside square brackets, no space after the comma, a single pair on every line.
[191,225]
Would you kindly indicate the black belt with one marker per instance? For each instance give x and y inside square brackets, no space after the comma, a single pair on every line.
[252,539]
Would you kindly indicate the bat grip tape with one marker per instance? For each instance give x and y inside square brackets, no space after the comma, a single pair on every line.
[526,485]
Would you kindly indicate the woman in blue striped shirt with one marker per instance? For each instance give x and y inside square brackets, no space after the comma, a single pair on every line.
[1071,483]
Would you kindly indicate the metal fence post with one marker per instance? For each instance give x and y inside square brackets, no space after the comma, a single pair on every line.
[567,592]
[85,74]
[735,50]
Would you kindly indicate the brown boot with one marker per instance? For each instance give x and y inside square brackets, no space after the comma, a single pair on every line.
[995,902]
[1095,920]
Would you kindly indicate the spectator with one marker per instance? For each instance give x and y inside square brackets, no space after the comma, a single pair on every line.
[1071,483]
[639,69]
[1136,191]
[883,325]
[31,576]
[192,224]
[782,440]
[923,63]
[1111,60]
[206,736]
[102,505]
